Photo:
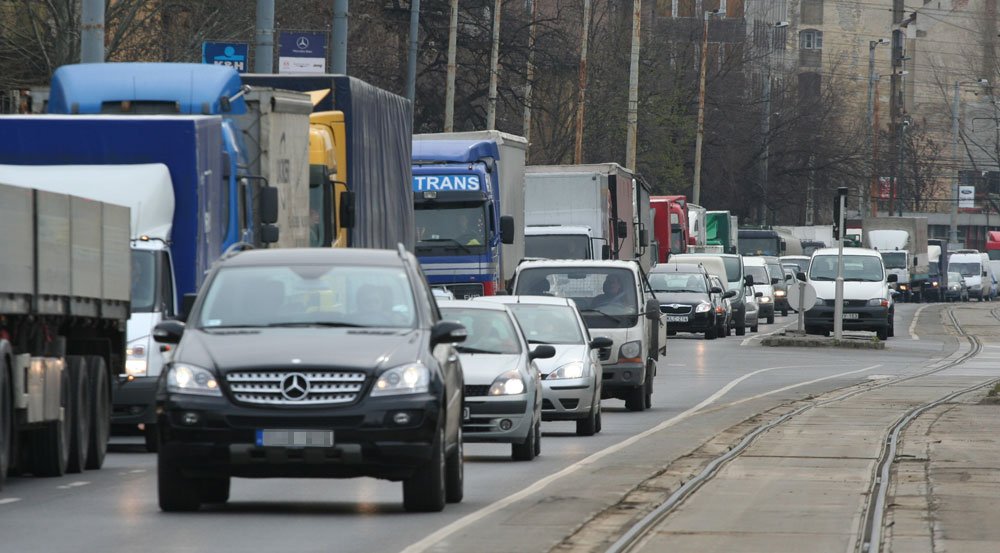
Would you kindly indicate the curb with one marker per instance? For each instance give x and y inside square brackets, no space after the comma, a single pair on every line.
[800,341]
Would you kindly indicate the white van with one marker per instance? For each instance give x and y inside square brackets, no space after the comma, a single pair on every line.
[868,303]
[971,266]
[990,278]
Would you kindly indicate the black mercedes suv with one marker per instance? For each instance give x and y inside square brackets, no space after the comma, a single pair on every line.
[311,363]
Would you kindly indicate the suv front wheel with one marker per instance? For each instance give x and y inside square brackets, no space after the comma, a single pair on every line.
[425,490]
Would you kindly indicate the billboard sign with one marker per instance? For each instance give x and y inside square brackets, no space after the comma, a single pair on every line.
[302,52]
[230,54]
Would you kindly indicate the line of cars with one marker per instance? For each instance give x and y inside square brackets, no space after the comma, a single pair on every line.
[338,363]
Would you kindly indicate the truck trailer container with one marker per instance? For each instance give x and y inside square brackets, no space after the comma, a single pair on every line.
[902,241]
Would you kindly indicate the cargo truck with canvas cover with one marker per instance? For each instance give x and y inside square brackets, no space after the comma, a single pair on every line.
[64,300]
[902,241]
[371,134]
[467,209]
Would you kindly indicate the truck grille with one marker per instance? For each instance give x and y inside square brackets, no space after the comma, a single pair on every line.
[465,291]
[675,309]
[477,390]
[312,388]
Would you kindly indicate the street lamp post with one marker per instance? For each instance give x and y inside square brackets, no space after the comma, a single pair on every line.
[700,136]
[766,125]
[872,78]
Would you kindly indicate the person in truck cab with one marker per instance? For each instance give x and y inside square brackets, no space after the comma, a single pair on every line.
[615,293]
[470,229]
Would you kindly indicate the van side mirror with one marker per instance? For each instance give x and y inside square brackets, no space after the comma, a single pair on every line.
[652,309]
[347,209]
[775,280]
[748,280]
[506,229]
[605,251]
[984,273]
[621,228]
[729,294]
[758,294]
[783,246]
[268,205]
[716,290]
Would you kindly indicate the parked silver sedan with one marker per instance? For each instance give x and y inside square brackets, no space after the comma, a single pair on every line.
[503,392]
[571,380]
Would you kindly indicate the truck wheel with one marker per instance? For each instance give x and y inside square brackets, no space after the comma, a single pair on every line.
[525,451]
[80,396]
[214,490]
[741,324]
[588,426]
[636,399]
[176,492]
[151,434]
[455,473]
[100,411]
[50,445]
[425,490]
[6,421]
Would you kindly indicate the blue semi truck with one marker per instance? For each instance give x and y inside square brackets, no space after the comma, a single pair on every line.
[468,193]
[169,170]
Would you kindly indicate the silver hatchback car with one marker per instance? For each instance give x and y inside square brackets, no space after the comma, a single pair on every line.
[503,392]
[571,381]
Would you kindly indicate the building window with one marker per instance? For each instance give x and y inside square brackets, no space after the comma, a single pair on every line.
[811,40]
[812,12]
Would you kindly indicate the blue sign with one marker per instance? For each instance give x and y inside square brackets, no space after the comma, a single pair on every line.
[423,183]
[231,54]
[302,52]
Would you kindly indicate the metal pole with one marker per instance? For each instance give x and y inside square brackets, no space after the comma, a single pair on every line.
[953,218]
[92,31]
[263,52]
[582,96]
[873,182]
[838,303]
[411,70]
[530,74]
[632,117]
[491,108]
[767,147]
[902,168]
[877,189]
[700,136]
[338,60]
[449,94]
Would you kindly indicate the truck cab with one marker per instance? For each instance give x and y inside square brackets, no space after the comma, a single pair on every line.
[563,242]
[459,225]
[670,225]
[761,241]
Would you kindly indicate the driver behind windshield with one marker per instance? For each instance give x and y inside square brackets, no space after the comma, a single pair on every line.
[615,293]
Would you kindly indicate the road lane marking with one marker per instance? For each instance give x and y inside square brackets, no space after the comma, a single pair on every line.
[471,518]
[76,484]
[7,500]
[752,338]
[913,323]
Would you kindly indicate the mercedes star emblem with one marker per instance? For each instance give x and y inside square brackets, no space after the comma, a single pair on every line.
[295,386]
[302,43]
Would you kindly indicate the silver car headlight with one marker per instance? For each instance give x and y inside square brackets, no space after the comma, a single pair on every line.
[631,350]
[189,379]
[509,383]
[137,357]
[411,378]
[576,369]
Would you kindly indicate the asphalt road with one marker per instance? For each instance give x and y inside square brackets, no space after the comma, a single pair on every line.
[702,386]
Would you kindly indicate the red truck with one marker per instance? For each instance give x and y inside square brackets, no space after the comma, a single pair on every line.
[993,244]
[670,225]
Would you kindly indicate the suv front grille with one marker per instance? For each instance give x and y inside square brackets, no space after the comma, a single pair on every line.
[477,390]
[313,388]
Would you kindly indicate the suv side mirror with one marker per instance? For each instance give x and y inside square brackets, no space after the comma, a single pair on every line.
[506,229]
[892,278]
[601,342]
[542,352]
[748,280]
[652,309]
[758,294]
[448,332]
[268,205]
[168,332]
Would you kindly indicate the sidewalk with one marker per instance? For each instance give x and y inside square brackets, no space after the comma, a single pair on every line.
[946,492]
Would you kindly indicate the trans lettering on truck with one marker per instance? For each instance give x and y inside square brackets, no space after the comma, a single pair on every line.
[423,183]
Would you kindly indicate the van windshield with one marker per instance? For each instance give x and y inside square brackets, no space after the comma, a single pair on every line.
[606,297]
[857,268]
[733,272]
[967,269]
[759,274]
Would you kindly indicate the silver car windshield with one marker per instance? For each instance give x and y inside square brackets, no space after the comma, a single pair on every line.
[308,295]
[548,324]
[489,331]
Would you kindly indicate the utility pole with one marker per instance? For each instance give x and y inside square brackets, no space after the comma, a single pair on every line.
[700,134]
[872,131]
[895,96]
[338,60]
[491,108]
[449,90]
[411,69]
[92,31]
[582,96]
[877,188]
[263,52]
[767,146]
[953,215]
[904,123]
[530,74]
[810,184]
[632,118]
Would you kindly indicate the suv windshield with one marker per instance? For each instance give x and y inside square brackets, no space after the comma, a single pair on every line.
[606,297]
[678,282]
[894,260]
[450,228]
[557,246]
[857,268]
[308,295]
[547,324]
[490,331]
[966,269]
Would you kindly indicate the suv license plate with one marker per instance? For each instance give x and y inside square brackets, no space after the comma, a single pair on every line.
[295,438]
[850,315]
[676,319]
[466,414]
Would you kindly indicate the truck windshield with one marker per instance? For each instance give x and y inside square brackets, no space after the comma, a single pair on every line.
[967,269]
[676,239]
[933,268]
[450,228]
[857,268]
[308,295]
[144,271]
[759,246]
[606,297]
[894,260]
[557,246]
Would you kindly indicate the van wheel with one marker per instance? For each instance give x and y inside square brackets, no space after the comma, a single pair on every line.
[636,399]
[754,328]
[770,319]
[650,372]
[784,312]
[425,490]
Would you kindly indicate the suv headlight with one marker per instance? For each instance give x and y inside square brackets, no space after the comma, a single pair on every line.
[700,308]
[878,302]
[411,378]
[569,370]
[189,379]
[507,384]
[631,350]
[136,358]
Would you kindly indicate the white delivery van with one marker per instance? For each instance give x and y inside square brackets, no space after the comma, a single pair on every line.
[868,302]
